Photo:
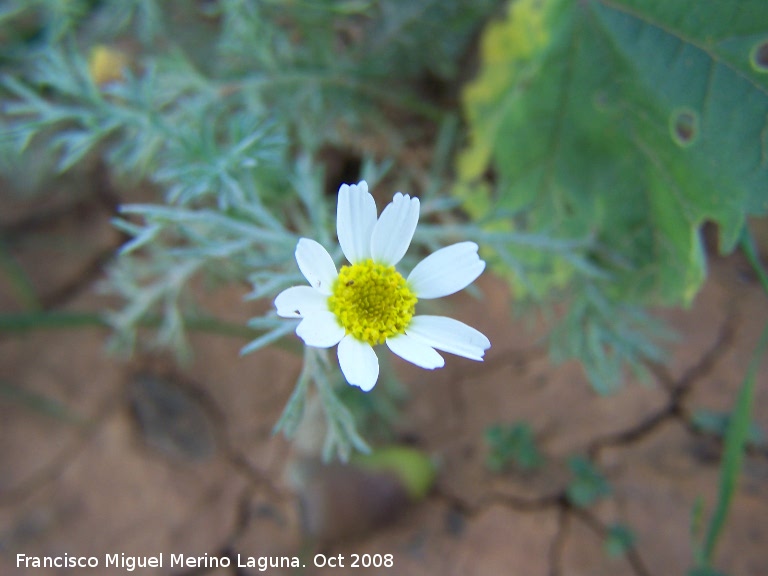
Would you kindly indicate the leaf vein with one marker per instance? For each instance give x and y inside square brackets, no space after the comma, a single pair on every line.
[683,38]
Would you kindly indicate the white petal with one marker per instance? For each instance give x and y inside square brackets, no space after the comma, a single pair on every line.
[446,271]
[449,335]
[415,352]
[394,230]
[358,362]
[355,219]
[299,301]
[320,330]
[316,265]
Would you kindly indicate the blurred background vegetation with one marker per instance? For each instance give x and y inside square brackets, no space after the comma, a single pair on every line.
[584,145]
[220,132]
[599,151]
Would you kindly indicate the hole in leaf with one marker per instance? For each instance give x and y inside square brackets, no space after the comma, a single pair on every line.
[684,126]
[759,57]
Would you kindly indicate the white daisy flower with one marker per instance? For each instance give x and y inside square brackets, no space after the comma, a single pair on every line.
[369,302]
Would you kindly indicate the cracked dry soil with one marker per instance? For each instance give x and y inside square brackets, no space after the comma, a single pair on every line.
[142,458]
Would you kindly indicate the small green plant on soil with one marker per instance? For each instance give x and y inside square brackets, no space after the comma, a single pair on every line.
[512,445]
[588,484]
[618,540]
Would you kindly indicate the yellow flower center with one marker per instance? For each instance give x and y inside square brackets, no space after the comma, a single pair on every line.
[372,301]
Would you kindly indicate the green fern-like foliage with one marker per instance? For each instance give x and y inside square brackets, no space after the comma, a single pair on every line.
[223,108]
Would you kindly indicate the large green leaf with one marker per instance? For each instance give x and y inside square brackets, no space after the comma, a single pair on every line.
[632,120]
